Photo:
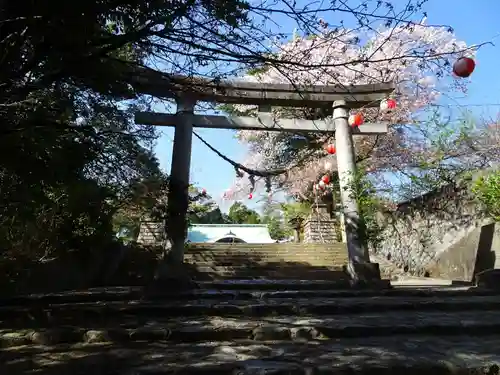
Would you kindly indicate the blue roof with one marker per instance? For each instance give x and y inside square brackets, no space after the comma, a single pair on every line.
[209,233]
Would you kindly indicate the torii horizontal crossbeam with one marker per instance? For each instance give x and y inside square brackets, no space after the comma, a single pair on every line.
[263,122]
[151,82]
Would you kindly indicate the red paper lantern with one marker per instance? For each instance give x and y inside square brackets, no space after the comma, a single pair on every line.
[203,191]
[250,196]
[387,104]
[355,120]
[331,149]
[325,179]
[464,67]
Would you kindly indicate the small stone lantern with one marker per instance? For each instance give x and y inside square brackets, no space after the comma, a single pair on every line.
[319,227]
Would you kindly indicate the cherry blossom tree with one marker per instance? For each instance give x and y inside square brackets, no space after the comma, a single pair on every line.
[416,57]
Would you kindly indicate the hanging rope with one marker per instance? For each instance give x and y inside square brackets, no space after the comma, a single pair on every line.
[252,172]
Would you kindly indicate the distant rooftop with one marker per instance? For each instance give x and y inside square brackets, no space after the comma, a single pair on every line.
[210,233]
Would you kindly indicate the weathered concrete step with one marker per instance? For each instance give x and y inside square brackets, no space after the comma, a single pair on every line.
[323,262]
[289,328]
[268,267]
[270,307]
[283,284]
[269,262]
[125,294]
[256,254]
[236,247]
[304,273]
[459,355]
[250,252]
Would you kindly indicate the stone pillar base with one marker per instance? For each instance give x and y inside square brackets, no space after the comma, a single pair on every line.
[368,276]
[171,277]
[489,279]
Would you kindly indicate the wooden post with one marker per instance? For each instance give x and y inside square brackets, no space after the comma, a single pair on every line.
[178,194]
[346,164]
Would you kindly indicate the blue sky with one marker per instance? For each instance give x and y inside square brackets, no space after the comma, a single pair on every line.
[474,22]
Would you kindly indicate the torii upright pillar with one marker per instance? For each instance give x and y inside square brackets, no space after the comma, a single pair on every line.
[178,193]
[359,259]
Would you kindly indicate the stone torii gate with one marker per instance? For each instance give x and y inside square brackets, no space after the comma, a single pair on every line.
[188,91]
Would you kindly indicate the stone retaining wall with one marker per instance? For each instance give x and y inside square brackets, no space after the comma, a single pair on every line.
[437,234]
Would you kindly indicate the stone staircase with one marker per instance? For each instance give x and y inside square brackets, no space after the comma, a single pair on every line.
[235,326]
[267,261]
[260,309]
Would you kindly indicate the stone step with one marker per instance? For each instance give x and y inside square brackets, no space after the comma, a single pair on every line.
[124,294]
[459,355]
[221,261]
[255,258]
[271,272]
[66,313]
[251,250]
[255,253]
[221,276]
[275,258]
[268,246]
[267,250]
[234,284]
[284,284]
[285,328]
[268,266]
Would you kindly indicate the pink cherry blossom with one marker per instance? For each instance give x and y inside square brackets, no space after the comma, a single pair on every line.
[417,59]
